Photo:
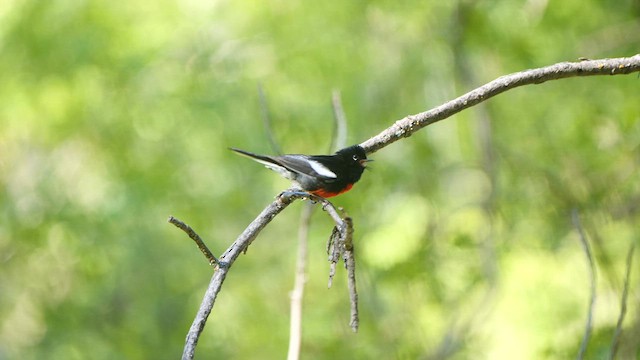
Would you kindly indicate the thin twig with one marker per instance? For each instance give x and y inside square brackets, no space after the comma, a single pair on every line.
[350,264]
[295,324]
[341,238]
[213,261]
[623,304]
[333,252]
[592,279]
[412,123]
[341,243]
[336,241]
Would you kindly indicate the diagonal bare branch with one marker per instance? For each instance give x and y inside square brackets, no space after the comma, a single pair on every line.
[406,127]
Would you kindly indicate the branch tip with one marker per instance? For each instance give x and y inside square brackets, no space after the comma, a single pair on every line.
[213,261]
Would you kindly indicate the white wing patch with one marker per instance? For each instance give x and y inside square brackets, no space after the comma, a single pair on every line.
[321,169]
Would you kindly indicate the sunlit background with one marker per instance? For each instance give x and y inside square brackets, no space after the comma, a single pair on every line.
[115,115]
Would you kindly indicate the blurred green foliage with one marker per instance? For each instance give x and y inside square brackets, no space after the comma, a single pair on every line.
[116,115]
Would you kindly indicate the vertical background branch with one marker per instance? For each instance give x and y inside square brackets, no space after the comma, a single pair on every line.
[466,318]
[623,304]
[297,294]
[338,141]
[266,120]
[592,282]
[339,138]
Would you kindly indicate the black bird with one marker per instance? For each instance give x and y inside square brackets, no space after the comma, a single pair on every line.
[322,175]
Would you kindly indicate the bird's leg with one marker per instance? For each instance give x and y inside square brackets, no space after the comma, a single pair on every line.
[294,193]
[297,193]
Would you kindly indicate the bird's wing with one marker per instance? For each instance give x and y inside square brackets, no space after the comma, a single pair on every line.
[305,165]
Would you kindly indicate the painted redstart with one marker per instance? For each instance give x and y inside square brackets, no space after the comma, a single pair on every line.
[322,175]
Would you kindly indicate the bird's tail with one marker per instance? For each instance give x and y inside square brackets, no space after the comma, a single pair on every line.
[264,159]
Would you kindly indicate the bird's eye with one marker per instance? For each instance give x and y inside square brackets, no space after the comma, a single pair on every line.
[355,157]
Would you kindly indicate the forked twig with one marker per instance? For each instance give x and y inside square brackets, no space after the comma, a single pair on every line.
[224,264]
[340,244]
[226,260]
